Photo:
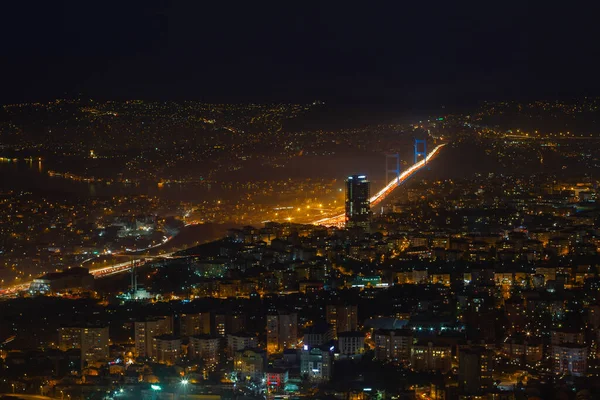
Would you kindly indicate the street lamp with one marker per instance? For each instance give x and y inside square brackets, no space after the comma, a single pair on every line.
[155,389]
[184,383]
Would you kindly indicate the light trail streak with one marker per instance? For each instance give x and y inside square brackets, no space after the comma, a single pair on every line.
[382,194]
[337,220]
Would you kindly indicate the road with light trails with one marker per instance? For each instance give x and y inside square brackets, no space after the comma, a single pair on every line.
[101,272]
[115,269]
[338,220]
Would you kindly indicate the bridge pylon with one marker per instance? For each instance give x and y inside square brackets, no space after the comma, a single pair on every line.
[393,169]
[418,152]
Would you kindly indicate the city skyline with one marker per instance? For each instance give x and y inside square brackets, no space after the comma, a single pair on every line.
[246,201]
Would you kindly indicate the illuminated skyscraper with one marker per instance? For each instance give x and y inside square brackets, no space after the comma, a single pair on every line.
[92,340]
[282,331]
[206,348]
[94,345]
[358,207]
[195,324]
[343,318]
[475,367]
[166,349]
[146,330]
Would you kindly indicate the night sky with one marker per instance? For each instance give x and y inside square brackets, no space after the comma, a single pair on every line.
[420,53]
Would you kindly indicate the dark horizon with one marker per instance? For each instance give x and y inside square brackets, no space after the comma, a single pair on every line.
[410,56]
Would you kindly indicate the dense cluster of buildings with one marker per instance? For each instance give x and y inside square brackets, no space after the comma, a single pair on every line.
[474,289]
[498,299]
[45,235]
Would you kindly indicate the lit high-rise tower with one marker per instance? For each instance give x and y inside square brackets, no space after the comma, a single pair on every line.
[282,331]
[358,207]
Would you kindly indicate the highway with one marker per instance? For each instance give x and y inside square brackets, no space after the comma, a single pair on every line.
[338,220]
[125,266]
[97,273]
[115,269]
